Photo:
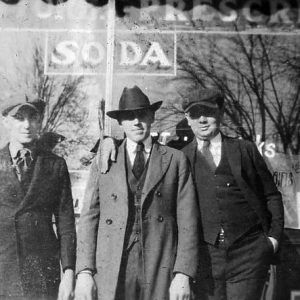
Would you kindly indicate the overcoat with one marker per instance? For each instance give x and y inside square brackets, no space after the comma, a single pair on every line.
[169,223]
[254,180]
[30,250]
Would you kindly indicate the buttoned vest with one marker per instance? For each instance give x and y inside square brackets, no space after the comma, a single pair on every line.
[222,203]
[135,187]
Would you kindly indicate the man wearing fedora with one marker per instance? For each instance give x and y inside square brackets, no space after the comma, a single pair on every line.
[241,210]
[138,230]
[35,188]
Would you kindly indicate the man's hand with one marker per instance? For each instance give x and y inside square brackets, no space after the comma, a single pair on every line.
[274,243]
[85,287]
[107,152]
[180,288]
[66,287]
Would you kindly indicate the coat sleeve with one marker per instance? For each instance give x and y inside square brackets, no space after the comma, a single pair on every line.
[187,221]
[65,220]
[88,223]
[270,193]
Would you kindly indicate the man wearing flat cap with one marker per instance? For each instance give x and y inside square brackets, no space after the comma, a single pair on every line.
[138,230]
[35,190]
[240,206]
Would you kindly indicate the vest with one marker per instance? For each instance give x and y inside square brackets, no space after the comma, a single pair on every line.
[135,188]
[222,203]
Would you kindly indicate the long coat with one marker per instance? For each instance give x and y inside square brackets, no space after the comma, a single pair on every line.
[169,223]
[30,251]
[254,180]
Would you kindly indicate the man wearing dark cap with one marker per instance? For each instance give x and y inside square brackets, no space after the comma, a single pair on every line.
[240,206]
[138,232]
[35,189]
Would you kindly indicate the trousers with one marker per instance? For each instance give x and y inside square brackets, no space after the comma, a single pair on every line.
[235,272]
[130,281]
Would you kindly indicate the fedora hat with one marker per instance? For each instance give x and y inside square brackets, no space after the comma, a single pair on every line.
[133,99]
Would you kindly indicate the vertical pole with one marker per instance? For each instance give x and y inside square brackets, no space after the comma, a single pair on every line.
[110,43]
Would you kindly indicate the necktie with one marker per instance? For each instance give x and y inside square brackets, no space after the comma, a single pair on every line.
[139,161]
[207,155]
[23,162]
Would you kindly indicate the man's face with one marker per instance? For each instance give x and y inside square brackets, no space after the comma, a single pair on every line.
[137,124]
[204,123]
[24,126]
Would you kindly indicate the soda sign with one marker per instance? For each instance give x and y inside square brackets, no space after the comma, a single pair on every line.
[82,53]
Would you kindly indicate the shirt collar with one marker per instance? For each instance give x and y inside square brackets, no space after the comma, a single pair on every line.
[131,145]
[14,149]
[215,141]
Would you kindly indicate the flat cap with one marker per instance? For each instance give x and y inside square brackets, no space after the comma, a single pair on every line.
[12,105]
[209,98]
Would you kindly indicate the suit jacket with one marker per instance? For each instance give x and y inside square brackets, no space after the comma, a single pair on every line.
[30,250]
[254,180]
[169,217]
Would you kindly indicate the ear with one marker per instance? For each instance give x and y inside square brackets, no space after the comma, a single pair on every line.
[5,122]
[188,118]
[152,117]
[220,115]
[40,124]
[119,120]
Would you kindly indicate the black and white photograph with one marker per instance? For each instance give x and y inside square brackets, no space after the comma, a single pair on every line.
[150,150]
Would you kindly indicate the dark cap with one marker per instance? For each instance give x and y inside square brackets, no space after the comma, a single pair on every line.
[14,104]
[209,98]
[133,99]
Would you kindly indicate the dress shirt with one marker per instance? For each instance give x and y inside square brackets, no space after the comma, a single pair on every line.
[13,150]
[131,149]
[215,147]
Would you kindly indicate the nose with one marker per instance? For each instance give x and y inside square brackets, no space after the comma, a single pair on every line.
[202,119]
[27,123]
[136,120]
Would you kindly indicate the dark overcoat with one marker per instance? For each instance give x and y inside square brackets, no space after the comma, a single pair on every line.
[30,250]
[254,180]
[169,223]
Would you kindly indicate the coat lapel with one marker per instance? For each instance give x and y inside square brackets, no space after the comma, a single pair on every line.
[40,168]
[6,166]
[190,151]
[158,165]
[233,152]
[118,174]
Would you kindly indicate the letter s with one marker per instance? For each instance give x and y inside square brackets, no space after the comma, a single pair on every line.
[64,53]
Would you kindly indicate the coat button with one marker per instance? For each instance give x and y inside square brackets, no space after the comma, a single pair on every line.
[158,193]
[109,221]
[160,218]
[114,196]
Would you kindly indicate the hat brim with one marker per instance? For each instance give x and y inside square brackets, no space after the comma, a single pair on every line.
[115,114]
[204,105]
[11,111]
